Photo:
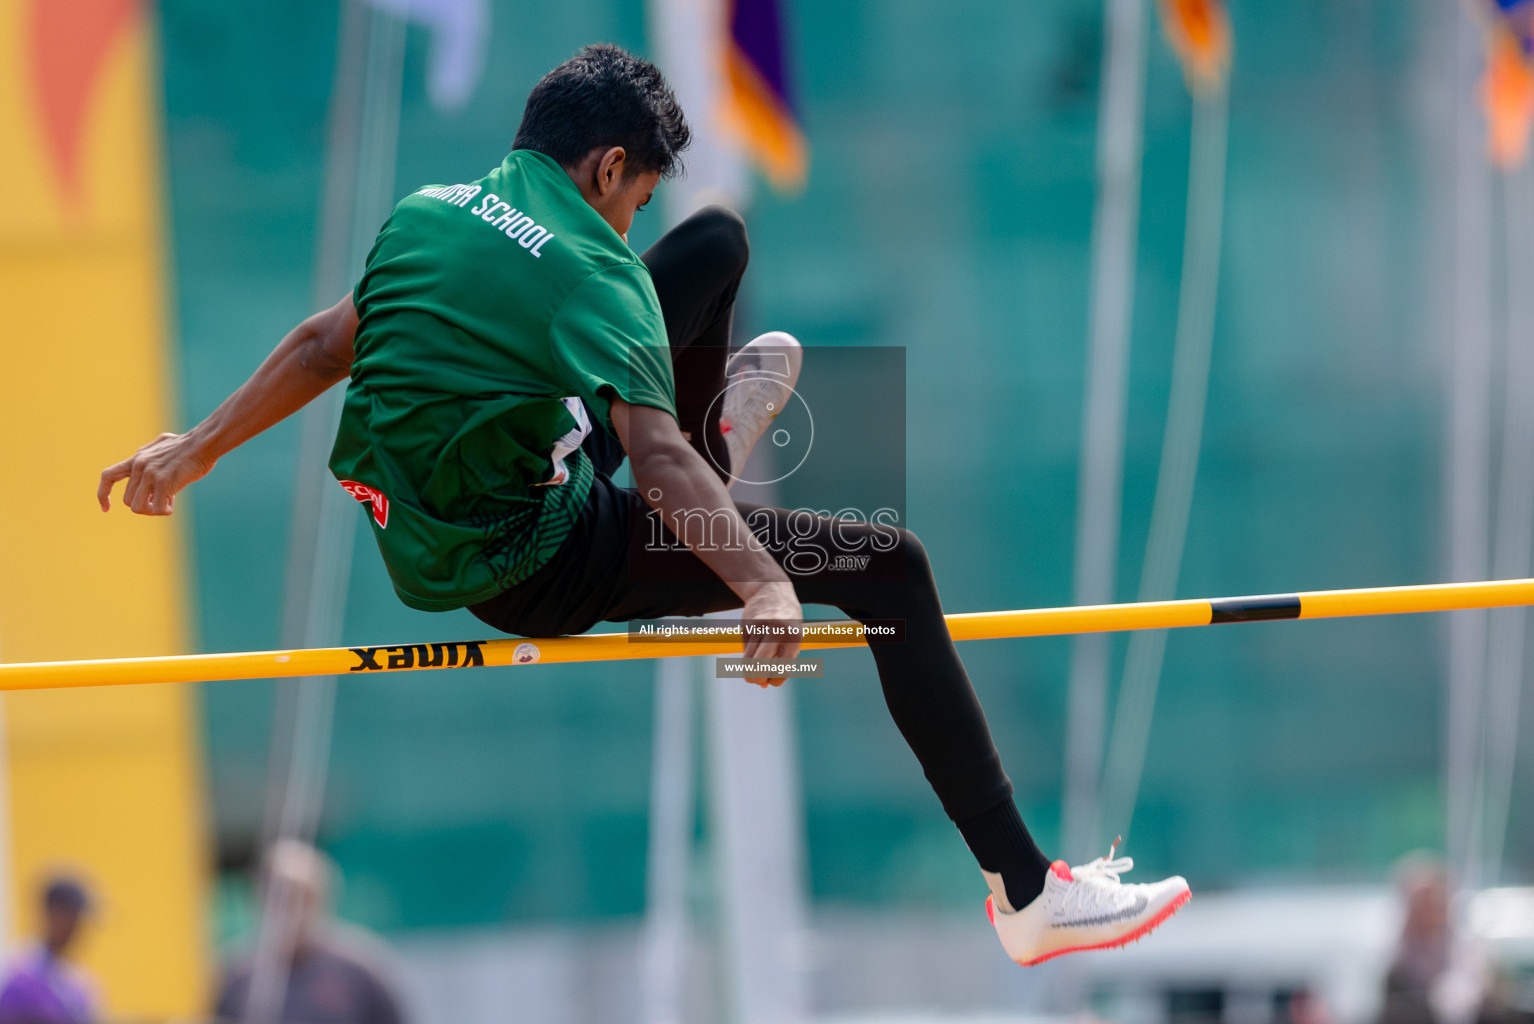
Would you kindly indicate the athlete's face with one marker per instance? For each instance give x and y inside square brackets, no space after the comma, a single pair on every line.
[614,194]
[636,191]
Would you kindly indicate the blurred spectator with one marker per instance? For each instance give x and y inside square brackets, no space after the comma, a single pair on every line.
[1303,1006]
[1422,956]
[1503,1004]
[1432,980]
[40,987]
[333,976]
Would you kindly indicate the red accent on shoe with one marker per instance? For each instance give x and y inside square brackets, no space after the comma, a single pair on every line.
[724,426]
[990,909]
[1062,871]
[1123,940]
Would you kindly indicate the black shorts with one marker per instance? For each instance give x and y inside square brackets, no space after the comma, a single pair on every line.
[592,577]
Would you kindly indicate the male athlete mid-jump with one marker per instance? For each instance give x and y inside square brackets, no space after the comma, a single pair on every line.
[506,349]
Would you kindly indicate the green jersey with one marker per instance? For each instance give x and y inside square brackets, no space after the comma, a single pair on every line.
[493,316]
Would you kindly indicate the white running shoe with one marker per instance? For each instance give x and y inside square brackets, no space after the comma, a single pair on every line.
[760,380]
[1085,908]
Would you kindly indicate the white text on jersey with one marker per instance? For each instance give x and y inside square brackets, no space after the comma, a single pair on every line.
[515,224]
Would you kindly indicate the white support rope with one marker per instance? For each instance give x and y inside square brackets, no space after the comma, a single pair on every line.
[1179,459]
[1467,476]
[1514,528]
[359,190]
[1115,232]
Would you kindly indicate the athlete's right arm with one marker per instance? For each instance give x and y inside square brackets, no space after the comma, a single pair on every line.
[315,355]
[677,483]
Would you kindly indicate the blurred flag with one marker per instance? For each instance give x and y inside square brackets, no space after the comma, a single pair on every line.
[460,30]
[759,107]
[70,42]
[1508,88]
[1199,31]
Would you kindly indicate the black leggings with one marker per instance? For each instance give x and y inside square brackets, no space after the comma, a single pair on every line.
[611,569]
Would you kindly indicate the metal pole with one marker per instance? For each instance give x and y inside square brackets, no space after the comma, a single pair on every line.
[756,828]
[686,34]
[663,969]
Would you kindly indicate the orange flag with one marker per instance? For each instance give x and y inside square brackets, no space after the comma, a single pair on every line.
[760,107]
[1199,31]
[1507,90]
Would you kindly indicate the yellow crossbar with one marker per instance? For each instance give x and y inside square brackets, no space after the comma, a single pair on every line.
[1108,618]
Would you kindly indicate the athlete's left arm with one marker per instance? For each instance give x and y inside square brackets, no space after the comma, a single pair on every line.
[314,355]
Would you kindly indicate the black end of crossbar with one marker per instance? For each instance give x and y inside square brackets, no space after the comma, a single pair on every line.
[1254,609]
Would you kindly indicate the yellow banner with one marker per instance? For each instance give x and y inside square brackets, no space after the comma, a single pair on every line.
[104,783]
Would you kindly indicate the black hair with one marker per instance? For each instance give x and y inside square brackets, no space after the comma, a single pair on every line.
[605,96]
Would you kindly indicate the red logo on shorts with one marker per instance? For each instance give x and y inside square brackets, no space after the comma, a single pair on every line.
[370,495]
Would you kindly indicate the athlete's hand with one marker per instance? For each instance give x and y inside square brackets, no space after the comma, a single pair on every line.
[155,473]
[773,605]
